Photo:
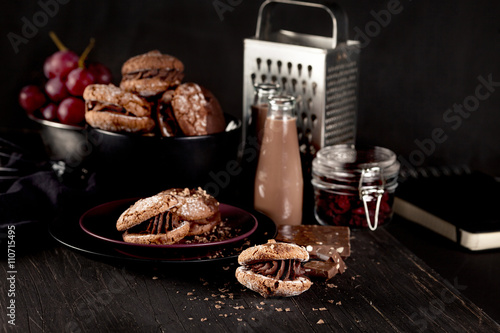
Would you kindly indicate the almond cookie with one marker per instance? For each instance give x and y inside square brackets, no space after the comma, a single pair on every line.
[110,108]
[274,269]
[151,73]
[197,110]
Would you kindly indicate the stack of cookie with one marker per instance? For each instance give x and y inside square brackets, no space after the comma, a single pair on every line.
[169,216]
[152,100]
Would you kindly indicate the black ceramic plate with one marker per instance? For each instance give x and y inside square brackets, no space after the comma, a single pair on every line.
[100,222]
[69,233]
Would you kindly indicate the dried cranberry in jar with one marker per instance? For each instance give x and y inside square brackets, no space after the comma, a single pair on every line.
[345,179]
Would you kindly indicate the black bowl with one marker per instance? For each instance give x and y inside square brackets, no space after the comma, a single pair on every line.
[63,142]
[136,165]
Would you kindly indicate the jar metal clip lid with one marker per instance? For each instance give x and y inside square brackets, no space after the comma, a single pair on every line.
[368,192]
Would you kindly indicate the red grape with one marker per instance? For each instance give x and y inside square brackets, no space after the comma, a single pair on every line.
[60,64]
[78,80]
[71,111]
[49,112]
[56,89]
[31,98]
[102,74]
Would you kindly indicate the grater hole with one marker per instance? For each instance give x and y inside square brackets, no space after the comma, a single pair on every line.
[263,77]
[253,76]
[299,67]
[314,120]
[308,135]
[294,84]
[269,63]
[314,86]
[289,65]
[274,79]
[283,82]
[309,70]
[259,61]
[304,119]
[279,63]
[309,103]
[304,86]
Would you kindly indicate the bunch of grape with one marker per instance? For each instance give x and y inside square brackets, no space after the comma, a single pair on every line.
[60,99]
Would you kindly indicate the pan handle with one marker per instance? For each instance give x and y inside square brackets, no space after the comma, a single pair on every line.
[338,16]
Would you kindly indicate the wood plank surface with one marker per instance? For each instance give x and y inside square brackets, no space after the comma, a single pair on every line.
[385,289]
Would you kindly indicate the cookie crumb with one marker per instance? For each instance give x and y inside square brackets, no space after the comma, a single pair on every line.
[279,309]
[320,322]
[331,285]
[189,294]
[225,268]
[322,309]
[239,319]
[217,306]
[339,303]
[287,309]
[155,278]
[203,319]
[331,301]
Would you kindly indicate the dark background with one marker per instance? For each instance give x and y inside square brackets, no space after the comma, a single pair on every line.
[416,67]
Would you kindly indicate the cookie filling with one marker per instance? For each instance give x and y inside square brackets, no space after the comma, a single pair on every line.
[159,224]
[107,107]
[163,73]
[167,123]
[290,269]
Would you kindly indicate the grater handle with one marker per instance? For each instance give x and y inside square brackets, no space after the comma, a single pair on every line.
[339,19]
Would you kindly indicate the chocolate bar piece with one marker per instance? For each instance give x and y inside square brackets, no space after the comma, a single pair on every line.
[326,253]
[321,269]
[317,235]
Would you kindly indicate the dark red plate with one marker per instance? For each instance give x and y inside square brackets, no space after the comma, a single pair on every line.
[100,222]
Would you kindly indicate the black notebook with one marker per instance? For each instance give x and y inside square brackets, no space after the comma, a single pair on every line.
[461,207]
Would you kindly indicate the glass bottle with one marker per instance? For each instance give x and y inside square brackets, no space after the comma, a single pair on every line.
[262,93]
[255,131]
[278,188]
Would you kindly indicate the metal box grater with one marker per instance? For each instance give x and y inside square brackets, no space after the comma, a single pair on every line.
[321,72]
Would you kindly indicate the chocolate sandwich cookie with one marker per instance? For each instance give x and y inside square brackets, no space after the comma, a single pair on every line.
[274,269]
[165,119]
[151,73]
[198,207]
[169,216]
[110,108]
[197,110]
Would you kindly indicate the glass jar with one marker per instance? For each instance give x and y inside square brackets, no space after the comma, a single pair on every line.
[354,186]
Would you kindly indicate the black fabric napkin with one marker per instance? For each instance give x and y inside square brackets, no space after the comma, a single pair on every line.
[34,191]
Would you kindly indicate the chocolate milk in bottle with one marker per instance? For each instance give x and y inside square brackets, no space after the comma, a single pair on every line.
[259,108]
[278,189]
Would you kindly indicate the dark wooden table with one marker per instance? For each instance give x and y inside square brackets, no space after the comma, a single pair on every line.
[385,288]
[53,286]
